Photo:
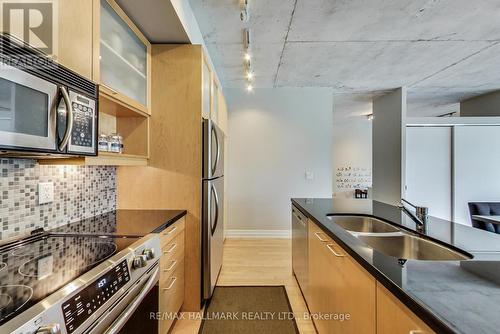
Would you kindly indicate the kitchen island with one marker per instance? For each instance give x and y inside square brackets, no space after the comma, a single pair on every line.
[449,296]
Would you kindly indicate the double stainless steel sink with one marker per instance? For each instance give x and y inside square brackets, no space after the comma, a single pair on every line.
[396,242]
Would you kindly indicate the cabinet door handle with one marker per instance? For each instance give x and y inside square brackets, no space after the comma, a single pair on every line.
[171,249]
[171,284]
[320,238]
[171,231]
[171,266]
[333,251]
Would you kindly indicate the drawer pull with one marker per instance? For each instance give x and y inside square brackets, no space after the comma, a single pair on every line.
[171,249]
[320,238]
[333,251]
[171,266]
[171,284]
[171,231]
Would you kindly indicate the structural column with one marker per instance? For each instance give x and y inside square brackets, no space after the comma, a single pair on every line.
[388,144]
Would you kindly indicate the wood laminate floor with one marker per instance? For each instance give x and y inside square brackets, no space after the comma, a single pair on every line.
[255,262]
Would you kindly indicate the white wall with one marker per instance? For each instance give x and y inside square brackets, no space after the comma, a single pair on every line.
[451,165]
[477,171]
[352,147]
[428,169]
[276,135]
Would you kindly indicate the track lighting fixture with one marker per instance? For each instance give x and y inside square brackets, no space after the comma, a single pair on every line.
[245,11]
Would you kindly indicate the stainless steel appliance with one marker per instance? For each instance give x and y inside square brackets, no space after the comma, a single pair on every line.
[72,283]
[45,109]
[300,253]
[213,205]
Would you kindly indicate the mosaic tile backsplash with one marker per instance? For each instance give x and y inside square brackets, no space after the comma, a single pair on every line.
[79,192]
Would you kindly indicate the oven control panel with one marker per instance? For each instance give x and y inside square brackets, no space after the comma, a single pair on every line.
[86,302]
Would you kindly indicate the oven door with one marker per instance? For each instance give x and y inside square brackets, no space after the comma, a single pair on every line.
[27,111]
[135,311]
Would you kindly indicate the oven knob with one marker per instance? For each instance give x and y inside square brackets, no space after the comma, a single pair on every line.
[139,261]
[49,329]
[150,254]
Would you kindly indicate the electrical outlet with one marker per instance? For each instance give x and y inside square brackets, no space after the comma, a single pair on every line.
[309,175]
[45,267]
[45,192]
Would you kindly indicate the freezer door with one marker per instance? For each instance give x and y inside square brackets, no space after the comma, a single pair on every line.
[213,150]
[212,232]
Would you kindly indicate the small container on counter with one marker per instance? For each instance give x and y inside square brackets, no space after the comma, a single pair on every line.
[116,143]
[103,143]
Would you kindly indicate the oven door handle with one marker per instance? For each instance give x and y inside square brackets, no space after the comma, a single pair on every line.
[69,112]
[127,313]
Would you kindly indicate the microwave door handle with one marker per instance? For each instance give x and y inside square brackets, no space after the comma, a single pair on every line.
[69,111]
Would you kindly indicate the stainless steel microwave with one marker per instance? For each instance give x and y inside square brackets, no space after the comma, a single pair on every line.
[45,108]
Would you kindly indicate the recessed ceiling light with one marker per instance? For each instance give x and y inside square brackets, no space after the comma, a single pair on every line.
[249,88]
[247,56]
[250,75]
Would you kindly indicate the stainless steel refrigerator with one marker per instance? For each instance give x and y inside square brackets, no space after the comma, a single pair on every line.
[213,205]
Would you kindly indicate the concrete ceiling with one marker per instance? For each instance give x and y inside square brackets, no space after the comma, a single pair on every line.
[157,20]
[442,50]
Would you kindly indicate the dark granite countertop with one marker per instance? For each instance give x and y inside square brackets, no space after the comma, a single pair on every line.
[123,222]
[450,296]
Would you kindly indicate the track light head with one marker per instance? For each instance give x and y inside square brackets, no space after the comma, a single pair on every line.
[245,11]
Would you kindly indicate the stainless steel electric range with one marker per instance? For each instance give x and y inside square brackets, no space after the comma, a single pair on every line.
[74,280]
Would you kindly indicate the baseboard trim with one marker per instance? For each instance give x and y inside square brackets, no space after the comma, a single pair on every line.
[280,234]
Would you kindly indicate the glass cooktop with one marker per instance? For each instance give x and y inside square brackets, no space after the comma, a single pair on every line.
[32,270]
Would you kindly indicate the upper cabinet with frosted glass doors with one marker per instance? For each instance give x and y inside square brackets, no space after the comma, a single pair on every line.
[124,57]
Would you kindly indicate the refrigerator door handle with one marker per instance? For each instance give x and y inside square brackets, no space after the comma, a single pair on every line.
[217,156]
[216,219]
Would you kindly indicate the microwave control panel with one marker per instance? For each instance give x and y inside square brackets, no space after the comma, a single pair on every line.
[85,303]
[83,136]
[82,125]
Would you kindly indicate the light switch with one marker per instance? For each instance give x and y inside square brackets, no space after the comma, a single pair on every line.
[45,192]
[309,175]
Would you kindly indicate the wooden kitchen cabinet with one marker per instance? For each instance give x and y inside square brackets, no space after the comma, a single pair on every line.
[339,286]
[206,89]
[171,284]
[214,112]
[73,47]
[107,47]
[75,33]
[320,271]
[394,317]
[175,163]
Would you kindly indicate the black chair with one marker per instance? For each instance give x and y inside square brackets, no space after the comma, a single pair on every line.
[485,209]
